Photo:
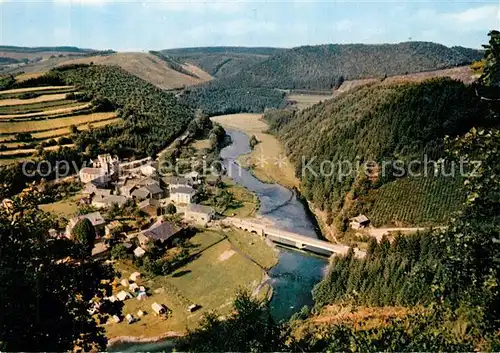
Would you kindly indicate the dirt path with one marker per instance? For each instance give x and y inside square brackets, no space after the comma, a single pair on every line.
[377,233]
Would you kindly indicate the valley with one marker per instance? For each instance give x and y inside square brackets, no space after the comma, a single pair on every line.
[333,197]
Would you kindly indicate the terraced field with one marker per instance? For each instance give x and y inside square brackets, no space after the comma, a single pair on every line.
[41,119]
[39,99]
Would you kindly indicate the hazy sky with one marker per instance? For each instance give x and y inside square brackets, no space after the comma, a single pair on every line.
[154,24]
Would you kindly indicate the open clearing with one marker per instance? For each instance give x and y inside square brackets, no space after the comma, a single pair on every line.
[37,107]
[35,89]
[304,101]
[42,98]
[206,281]
[64,208]
[26,76]
[277,167]
[44,125]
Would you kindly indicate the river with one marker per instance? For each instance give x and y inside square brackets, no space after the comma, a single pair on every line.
[297,272]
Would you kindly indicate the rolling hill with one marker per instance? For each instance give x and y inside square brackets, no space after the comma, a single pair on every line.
[14,59]
[222,61]
[150,68]
[327,66]
[379,122]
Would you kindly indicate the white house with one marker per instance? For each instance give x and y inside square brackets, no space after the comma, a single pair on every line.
[104,168]
[182,194]
[199,214]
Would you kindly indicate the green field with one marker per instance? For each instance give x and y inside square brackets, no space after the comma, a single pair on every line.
[416,202]
[210,280]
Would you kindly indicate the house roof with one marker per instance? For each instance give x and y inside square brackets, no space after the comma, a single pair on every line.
[102,192]
[200,208]
[141,192]
[90,188]
[147,181]
[154,189]
[360,219]
[111,199]
[94,171]
[139,251]
[161,230]
[173,180]
[148,202]
[183,190]
[95,218]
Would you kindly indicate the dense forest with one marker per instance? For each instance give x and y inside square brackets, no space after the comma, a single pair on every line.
[222,62]
[151,118]
[376,123]
[322,66]
[309,67]
[215,100]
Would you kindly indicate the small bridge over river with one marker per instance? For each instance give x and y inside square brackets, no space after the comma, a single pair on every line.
[286,238]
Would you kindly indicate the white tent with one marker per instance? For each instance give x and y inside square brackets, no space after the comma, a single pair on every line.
[139,252]
[135,276]
[123,295]
[158,308]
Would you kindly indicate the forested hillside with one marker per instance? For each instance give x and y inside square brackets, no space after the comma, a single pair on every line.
[311,67]
[215,100]
[222,61]
[376,123]
[150,117]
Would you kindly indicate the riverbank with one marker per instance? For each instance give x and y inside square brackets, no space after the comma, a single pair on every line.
[267,161]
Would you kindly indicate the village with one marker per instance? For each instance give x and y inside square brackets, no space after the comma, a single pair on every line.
[159,231]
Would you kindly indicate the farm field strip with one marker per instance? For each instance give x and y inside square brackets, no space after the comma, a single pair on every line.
[42,98]
[41,92]
[65,131]
[72,112]
[31,150]
[71,108]
[36,107]
[47,125]
[34,89]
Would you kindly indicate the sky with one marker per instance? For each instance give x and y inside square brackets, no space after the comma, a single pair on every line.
[126,25]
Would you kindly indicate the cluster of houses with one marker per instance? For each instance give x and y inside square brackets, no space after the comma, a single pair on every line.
[109,182]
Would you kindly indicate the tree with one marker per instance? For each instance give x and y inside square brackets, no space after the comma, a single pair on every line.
[249,329]
[171,209]
[119,252]
[491,69]
[46,293]
[253,141]
[84,234]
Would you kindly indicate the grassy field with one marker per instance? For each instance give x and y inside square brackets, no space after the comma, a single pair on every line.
[47,112]
[246,203]
[34,89]
[200,145]
[42,98]
[210,280]
[37,107]
[416,202]
[26,76]
[44,125]
[303,101]
[276,166]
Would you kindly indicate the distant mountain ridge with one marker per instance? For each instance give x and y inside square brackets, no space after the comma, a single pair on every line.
[222,62]
[327,66]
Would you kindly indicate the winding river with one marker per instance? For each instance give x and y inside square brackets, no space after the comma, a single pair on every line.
[297,272]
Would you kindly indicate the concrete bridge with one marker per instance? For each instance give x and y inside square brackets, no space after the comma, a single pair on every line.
[283,237]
